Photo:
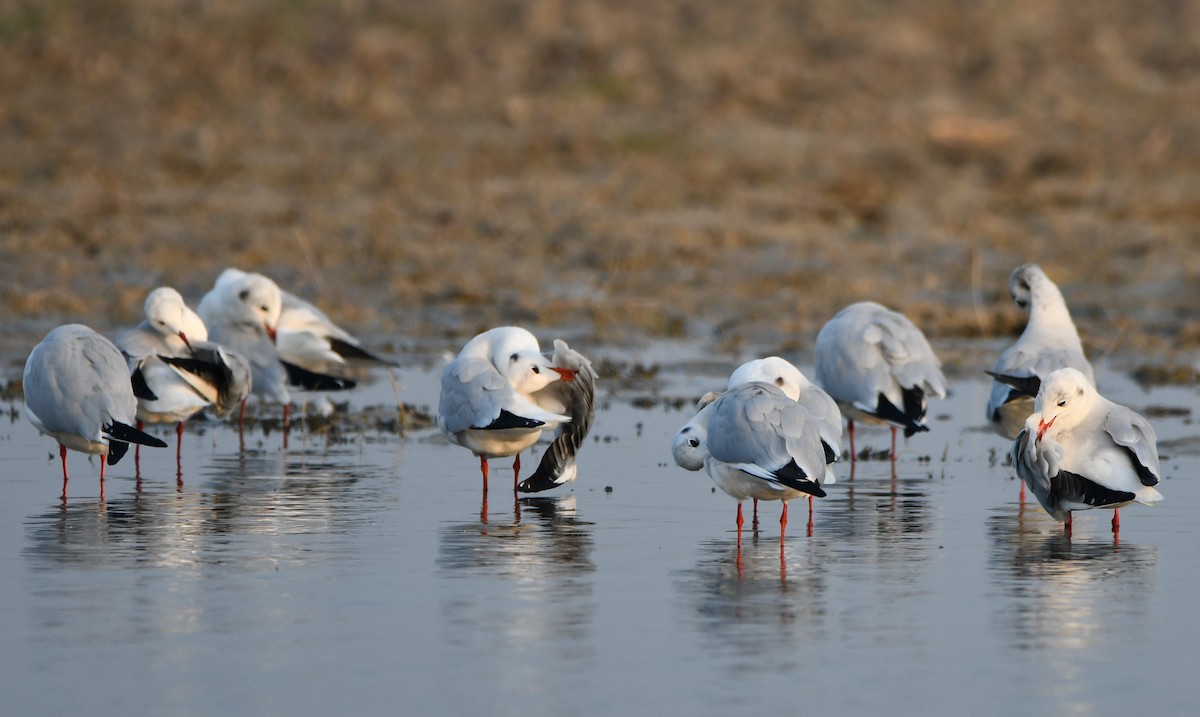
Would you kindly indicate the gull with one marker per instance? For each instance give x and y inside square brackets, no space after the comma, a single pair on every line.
[77,391]
[1049,342]
[762,444]
[307,338]
[493,398]
[1079,450]
[878,367]
[174,370]
[242,312]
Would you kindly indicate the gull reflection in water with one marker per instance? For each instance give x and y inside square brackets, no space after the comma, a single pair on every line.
[524,581]
[758,600]
[1065,592]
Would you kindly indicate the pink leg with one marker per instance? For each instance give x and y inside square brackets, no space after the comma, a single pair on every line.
[1116,521]
[483,468]
[516,470]
[1022,492]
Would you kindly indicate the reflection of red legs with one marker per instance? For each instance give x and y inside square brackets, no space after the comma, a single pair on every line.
[483,468]
[1067,524]
[62,453]
[516,509]
[740,522]
[516,470]
[1022,492]
[483,508]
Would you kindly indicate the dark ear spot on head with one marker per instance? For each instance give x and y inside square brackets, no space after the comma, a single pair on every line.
[243,294]
[1079,391]
[512,358]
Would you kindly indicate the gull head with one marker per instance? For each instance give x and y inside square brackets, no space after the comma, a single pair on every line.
[167,312]
[1064,400]
[773,370]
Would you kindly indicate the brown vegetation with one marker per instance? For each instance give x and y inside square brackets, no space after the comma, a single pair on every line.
[735,171]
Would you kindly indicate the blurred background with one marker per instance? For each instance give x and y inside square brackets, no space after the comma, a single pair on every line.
[611,171]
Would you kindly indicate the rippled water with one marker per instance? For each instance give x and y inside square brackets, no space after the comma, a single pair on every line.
[362,577]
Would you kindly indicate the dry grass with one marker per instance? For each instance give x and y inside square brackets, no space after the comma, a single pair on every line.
[734,171]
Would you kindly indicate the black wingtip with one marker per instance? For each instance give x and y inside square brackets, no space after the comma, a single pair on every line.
[794,477]
[910,418]
[354,352]
[507,419]
[541,480]
[831,455]
[124,432]
[141,389]
[1076,488]
[1023,385]
[116,449]
[313,381]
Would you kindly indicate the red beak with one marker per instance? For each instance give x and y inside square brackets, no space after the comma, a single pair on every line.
[185,341]
[567,373]
[270,332]
[1043,425]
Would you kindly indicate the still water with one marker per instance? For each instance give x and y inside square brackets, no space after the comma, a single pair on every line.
[360,577]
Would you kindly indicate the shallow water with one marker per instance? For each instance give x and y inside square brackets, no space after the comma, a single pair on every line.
[360,577]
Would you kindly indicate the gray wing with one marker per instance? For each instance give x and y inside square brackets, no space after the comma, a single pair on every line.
[825,412]
[757,424]
[268,376]
[907,351]
[1038,464]
[1135,434]
[473,394]
[77,382]
[575,398]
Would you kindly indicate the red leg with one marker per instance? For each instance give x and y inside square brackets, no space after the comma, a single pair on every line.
[754,519]
[516,470]
[810,515]
[1067,525]
[287,422]
[1022,492]
[242,415]
[1116,521]
[179,452]
[783,522]
[483,468]
[62,453]
[137,454]
[103,462]
[893,444]
[850,430]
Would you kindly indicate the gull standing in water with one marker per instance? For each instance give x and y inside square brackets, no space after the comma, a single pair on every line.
[77,391]
[174,370]
[879,368]
[494,399]
[1080,451]
[1048,343]
[762,444]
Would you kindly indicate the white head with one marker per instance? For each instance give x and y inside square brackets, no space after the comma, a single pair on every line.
[1064,400]
[690,446]
[252,299]
[1029,285]
[167,312]
[516,355]
[772,370]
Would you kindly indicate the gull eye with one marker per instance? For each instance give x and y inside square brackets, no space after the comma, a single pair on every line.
[693,442]
[264,308]
[536,369]
[1062,402]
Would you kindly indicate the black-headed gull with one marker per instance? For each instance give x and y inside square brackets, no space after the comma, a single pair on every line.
[242,312]
[1079,450]
[174,370]
[77,391]
[879,368]
[1048,343]
[762,444]
[307,338]
[493,399]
